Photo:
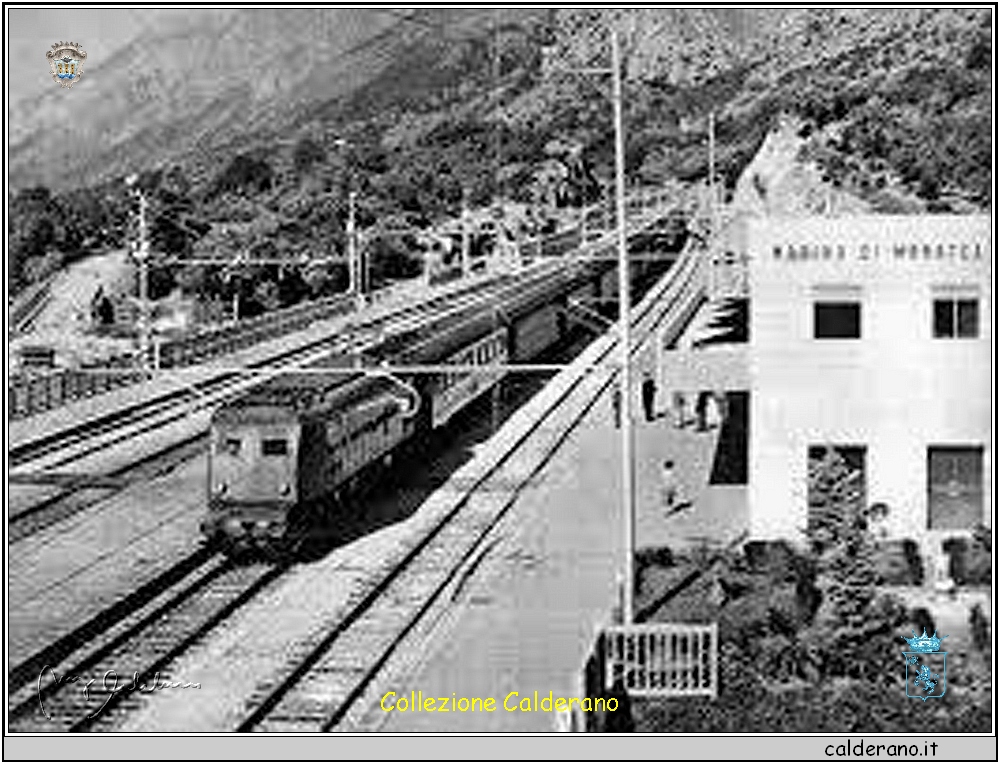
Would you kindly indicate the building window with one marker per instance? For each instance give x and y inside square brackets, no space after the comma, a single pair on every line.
[954,487]
[274,447]
[837,320]
[956,318]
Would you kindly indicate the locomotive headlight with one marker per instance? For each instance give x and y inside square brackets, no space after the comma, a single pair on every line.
[221,488]
[285,489]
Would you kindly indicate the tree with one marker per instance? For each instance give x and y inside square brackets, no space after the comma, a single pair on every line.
[244,173]
[851,611]
[306,154]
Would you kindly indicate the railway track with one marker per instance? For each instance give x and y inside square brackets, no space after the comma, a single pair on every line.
[25,310]
[151,627]
[105,624]
[104,627]
[332,671]
[66,502]
[141,645]
[93,437]
[133,423]
[93,430]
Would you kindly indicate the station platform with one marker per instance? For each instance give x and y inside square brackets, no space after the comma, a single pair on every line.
[526,620]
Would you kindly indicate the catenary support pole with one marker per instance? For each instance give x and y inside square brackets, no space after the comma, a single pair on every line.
[624,315]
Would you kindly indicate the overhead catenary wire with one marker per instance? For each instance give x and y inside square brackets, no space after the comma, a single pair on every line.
[428,368]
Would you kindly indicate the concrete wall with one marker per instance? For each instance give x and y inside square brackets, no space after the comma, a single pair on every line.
[897,390]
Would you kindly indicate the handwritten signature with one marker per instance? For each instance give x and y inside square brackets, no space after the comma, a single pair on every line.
[109,686]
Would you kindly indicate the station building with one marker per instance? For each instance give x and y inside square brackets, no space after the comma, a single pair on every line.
[872,335]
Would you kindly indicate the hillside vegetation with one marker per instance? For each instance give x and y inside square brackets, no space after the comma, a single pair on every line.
[412,109]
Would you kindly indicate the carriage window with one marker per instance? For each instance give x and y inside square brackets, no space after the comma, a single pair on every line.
[274,447]
[232,446]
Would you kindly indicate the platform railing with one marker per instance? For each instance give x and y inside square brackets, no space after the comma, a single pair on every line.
[663,659]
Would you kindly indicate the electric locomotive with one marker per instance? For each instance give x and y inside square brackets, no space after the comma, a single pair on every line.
[285,453]
[282,452]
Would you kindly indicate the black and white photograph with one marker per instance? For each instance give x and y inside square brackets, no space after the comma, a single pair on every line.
[548,374]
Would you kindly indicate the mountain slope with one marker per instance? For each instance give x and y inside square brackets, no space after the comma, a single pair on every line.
[274,116]
[214,75]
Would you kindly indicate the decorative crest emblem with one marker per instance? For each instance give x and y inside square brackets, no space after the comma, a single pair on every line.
[923,659]
[66,62]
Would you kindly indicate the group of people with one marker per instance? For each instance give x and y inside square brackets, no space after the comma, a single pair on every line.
[708,413]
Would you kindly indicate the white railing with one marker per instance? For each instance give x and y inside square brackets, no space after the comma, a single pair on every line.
[664,659]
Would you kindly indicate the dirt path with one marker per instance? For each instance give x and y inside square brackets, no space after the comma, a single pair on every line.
[64,323]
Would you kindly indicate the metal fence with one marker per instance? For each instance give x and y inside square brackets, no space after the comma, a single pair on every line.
[663,659]
[33,392]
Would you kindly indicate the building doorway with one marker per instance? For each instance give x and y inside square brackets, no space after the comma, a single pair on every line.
[730,465]
[954,487]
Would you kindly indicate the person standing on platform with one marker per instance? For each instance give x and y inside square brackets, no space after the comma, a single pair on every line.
[669,486]
[713,411]
[616,404]
[649,396]
[701,411]
[680,416]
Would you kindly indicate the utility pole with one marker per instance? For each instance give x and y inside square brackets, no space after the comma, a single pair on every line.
[711,165]
[466,233]
[352,248]
[237,284]
[624,319]
[355,285]
[498,190]
[141,253]
[713,208]
[496,392]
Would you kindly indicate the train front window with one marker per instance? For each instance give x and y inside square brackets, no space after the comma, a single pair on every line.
[274,447]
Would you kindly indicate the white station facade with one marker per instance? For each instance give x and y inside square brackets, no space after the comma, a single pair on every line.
[872,335]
